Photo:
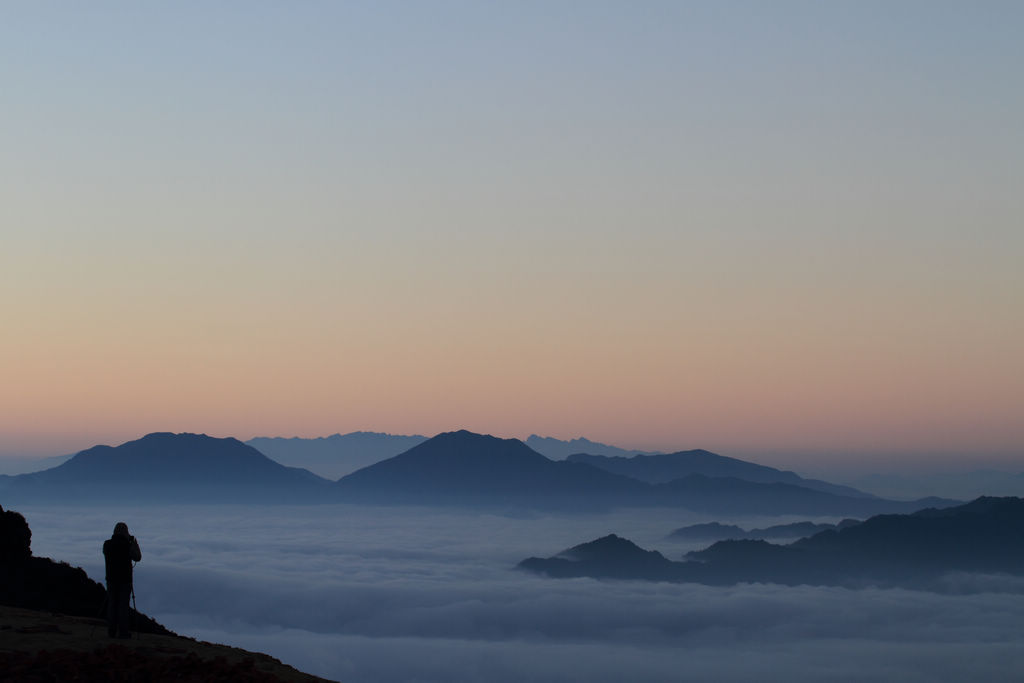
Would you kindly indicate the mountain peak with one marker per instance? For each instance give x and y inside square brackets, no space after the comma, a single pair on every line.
[611,545]
[179,467]
[610,556]
[469,448]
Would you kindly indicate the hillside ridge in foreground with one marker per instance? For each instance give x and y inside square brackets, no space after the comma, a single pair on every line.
[43,646]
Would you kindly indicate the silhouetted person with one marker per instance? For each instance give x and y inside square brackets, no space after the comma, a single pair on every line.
[120,550]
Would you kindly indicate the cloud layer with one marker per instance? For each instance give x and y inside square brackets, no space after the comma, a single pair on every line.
[406,594]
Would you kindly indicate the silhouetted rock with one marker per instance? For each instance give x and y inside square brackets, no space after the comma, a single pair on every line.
[15,537]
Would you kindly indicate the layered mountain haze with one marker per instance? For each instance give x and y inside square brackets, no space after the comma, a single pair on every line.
[463,468]
[660,468]
[460,469]
[559,449]
[334,456]
[715,531]
[11,465]
[917,550]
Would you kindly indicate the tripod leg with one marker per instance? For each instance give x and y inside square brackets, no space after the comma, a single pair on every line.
[135,616]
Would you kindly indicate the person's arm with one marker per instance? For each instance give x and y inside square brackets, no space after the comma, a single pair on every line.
[136,553]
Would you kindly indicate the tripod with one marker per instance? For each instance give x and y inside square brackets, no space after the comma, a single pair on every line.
[136,618]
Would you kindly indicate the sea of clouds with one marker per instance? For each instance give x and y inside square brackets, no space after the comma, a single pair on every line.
[380,595]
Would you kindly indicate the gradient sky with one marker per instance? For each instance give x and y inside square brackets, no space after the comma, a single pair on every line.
[793,228]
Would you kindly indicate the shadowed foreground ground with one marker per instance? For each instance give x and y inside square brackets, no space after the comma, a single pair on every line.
[41,646]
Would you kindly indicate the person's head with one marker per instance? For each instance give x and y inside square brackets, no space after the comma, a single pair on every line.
[121,529]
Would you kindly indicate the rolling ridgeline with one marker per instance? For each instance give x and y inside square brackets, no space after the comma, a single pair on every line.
[464,469]
[460,469]
[919,550]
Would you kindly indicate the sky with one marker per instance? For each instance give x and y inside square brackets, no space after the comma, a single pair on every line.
[409,594]
[790,231]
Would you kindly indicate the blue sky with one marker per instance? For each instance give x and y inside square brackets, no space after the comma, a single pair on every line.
[786,227]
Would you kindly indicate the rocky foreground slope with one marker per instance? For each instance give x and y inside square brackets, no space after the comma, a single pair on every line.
[42,646]
[49,630]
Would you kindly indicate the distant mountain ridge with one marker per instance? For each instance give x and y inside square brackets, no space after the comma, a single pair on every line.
[557,449]
[459,469]
[466,468]
[463,468]
[334,456]
[713,531]
[966,484]
[169,467]
[913,550]
[14,465]
[665,467]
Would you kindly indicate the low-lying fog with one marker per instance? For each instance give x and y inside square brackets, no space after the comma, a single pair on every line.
[362,594]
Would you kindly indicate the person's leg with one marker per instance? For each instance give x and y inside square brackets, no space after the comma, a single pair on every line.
[111,610]
[123,597]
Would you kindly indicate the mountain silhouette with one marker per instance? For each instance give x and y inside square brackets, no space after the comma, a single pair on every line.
[459,468]
[730,495]
[466,469]
[164,467]
[333,457]
[451,469]
[609,557]
[707,531]
[713,531]
[661,468]
[913,550]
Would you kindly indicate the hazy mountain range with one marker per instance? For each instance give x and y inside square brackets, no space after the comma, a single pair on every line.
[450,469]
[967,484]
[557,449]
[164,467]
[662,468]
[715,531]
[13,464]
[335,456]
[913,550]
